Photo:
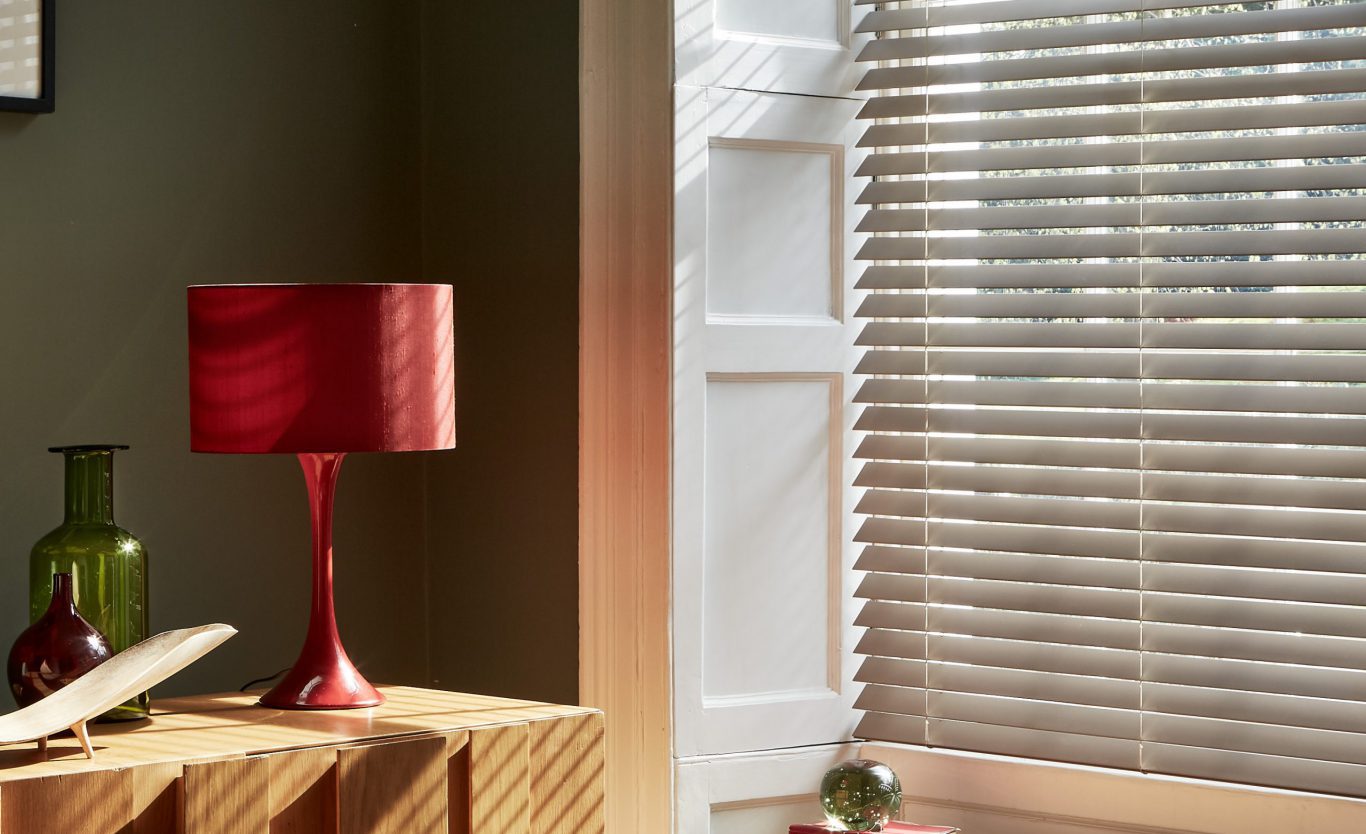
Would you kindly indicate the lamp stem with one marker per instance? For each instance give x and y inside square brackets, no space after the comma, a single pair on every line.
[323,677]
[320,475]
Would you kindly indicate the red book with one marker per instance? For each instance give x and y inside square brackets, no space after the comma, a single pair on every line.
[891,828]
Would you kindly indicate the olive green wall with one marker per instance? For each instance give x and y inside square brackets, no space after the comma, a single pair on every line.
[500,221]
[199,142]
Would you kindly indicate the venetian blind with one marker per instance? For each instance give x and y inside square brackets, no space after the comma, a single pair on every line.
[1115,450]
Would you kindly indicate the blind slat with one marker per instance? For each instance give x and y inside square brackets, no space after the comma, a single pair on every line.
[1264,615]
[894,700]
[1111,185]
[1253,85]
[1050,629]
[1039,744]
[1038,686]
[1076,719]
[1209,580]
[1257,677]
[884,559]
[1115,63]
[1296,742]
[902,728]
[1063,362]
[1299,773]
[1191,213]
[1120,123]
[1252,644]
[1050,599]
[892,671]
[1005,653]
[1006,10]
[1109,63]
[1125,31]
[1273,553]
[1115,245]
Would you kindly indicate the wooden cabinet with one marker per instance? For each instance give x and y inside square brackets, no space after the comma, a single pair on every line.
[426,762]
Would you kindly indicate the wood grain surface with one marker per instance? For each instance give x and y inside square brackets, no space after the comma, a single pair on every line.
[427,762]
[227,797]
[567,776]
[156,798]
[500,780]
[90,803]
[303,791]
[394,788]
[458,782]
[232,725]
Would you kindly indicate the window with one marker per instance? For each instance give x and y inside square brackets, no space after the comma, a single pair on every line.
[1115,451]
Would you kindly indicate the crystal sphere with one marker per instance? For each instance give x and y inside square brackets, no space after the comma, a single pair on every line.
[860,795]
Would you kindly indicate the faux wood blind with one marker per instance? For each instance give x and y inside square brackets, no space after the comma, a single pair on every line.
[1115,461]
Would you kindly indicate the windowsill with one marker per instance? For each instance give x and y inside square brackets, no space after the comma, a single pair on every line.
[1106,799]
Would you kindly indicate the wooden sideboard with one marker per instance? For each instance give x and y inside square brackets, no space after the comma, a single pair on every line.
[426,762]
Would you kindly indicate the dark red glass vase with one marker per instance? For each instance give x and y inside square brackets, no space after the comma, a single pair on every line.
[54,651]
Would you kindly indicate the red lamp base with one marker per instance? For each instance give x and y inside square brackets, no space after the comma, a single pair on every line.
[322,680]
[323,677]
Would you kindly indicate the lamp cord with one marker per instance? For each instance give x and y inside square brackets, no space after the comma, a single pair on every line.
[250,684]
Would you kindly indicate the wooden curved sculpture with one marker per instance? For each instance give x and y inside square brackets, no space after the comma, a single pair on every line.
[119,678]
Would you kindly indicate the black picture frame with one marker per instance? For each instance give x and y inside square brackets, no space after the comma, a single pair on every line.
[46,102]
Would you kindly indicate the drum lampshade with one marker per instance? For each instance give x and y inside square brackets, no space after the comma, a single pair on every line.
[321,368]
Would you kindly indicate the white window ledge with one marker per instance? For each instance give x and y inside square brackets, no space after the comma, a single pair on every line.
[986,794]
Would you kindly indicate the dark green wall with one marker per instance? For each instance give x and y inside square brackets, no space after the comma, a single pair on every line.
[500,222]
[199,142]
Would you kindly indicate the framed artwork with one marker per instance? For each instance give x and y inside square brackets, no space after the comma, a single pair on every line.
[27,68]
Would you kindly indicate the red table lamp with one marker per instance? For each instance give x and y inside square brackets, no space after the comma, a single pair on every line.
[320,370]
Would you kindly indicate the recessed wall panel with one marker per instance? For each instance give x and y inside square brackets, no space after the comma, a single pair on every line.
[803,19]
[768,538]
[764,817]
[772,226]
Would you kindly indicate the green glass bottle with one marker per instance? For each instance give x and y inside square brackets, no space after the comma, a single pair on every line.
[108,565]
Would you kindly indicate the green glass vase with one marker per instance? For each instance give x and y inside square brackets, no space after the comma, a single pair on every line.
[108,565]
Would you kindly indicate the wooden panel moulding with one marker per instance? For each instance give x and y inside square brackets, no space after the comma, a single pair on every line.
[500,780]
[567,776]
[227,797]
[303,791]
[156,798]
[625,378]
[395,788]
[458,782]
[100,802]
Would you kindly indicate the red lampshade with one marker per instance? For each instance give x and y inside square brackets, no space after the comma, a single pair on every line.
[321,368]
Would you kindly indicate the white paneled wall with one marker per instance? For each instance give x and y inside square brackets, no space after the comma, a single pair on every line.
[771,553]
[773,230]
[762,423]
[763,614]
[754,793]
[769,815]
[786,46]
[813,21]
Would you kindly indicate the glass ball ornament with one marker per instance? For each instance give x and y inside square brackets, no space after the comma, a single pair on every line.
[860,795]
